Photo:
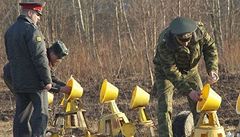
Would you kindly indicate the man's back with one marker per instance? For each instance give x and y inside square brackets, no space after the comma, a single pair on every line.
[26,51]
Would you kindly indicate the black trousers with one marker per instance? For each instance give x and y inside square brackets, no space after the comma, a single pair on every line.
[31,115]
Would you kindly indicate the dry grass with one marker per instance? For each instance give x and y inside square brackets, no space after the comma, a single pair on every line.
[5,129]
[229,60]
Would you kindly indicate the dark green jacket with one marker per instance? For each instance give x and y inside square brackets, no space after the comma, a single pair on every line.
[57,83]
[173,61]
[26,52]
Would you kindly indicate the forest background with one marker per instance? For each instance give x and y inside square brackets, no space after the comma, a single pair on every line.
[116,39]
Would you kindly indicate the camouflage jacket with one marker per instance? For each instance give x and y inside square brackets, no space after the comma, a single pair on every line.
[26,52]
[172,61]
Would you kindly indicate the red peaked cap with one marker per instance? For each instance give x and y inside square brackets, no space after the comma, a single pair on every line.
[36,6]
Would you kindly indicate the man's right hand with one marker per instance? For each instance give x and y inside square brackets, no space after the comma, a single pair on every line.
[195,95]
[48,86]
[213,77]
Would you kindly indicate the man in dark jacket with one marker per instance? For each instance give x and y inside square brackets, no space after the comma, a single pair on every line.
[30,72]
[55,54]
[180,47]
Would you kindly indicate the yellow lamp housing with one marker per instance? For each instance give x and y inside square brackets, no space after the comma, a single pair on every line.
[76,89]
[50,98]
[108,92]
[140,98]
[112,124]
[210,100]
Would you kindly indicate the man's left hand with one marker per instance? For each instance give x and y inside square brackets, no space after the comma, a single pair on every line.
[195,95]
[66,89]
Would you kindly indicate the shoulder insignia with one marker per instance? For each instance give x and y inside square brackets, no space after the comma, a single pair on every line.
[38,39]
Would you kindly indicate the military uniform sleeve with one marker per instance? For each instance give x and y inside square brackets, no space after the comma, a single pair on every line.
[56,80]
[57,83]
[37,49]
[209,51]
[164,61]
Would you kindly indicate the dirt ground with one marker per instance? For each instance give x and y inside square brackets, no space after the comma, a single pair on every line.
[228,88]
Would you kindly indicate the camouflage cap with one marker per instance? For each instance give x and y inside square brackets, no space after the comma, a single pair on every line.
[181,25]
[59,49]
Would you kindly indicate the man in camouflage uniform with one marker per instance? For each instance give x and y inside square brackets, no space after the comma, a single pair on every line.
[30,71]
[179,49]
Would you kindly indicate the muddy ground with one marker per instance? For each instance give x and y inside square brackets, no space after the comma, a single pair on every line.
[228,87]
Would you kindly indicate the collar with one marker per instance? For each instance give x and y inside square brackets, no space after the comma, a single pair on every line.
[26,18]
[198,34]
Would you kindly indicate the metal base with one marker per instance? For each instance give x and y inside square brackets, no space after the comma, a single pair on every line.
[210,128]
[111,124]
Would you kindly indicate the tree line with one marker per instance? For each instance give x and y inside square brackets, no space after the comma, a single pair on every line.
[116,39]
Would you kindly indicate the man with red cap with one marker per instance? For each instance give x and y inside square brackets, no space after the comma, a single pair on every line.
[36,6]
[30,71]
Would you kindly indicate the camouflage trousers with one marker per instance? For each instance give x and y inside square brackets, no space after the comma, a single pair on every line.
[165,91]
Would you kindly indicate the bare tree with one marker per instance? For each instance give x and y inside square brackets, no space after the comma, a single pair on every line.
[128,28]
[215,15]
[179,7]
[145,17]
[91,27]
[218,22]
[230,16]
[118,36]
[76,22]
[81,15]
[163,12]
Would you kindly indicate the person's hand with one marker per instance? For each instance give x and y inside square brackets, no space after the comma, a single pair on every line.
[213,77]
[48,86]
[66,89]
[195,95]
